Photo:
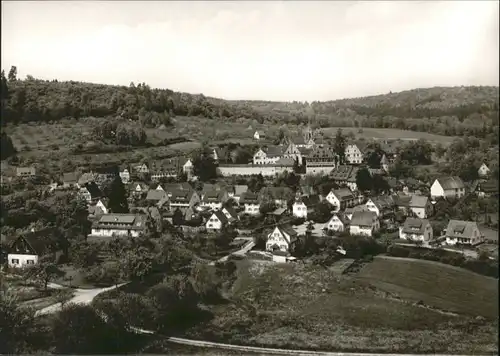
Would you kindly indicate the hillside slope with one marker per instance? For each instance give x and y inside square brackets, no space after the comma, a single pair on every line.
[471,111]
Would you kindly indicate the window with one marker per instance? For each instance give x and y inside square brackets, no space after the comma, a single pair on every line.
[30,262]
[15,261]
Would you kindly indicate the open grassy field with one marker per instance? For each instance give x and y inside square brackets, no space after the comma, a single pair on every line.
[393,134]
[297,306]
[438,285]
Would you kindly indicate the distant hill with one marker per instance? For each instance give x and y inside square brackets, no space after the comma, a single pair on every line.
[471,111]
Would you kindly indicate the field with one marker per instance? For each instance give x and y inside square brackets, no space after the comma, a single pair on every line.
[435,284]
[391,134]
[297,306]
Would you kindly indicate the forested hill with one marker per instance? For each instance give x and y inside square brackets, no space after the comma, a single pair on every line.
[443,110]
[471,111]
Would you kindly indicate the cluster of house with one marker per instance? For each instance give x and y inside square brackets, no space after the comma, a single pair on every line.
[308,150]
[208,209]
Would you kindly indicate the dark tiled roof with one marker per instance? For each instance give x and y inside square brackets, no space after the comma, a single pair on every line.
[288,229]
[156,194]
[415,226]
[363,218]
[343,194]
[220,215]
[341,172]
[273,151]
[490,186]
[231,212]
[250,198]
[93,189]
[40,241]
[460,228]
[311,201]
[418,201]
[448,183]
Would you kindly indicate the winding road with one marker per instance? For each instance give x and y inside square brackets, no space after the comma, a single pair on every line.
[86,296]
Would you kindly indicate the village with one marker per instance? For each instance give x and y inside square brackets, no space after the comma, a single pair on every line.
[244,199]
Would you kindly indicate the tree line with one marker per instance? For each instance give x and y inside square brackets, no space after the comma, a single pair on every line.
[468,111]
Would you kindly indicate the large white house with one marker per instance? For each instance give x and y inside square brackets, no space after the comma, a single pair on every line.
[251,203]
[216,222]
[268,155]
[353,154]
[459,232]
[448,188]
[416,230]
[119,225]
[304,206]
[26,249]
[364,223]
[341,199]
[282,238]
[336,224]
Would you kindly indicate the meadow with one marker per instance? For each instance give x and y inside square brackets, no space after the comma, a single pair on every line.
[390,134]
[305,307]
[435,284]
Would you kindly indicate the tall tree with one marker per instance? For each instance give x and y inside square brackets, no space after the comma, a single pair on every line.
[78,329]
[7,147]
[118,197]
[16,323]
[204,165]
[13,74]
[364,180]
[339,145]
[178,217]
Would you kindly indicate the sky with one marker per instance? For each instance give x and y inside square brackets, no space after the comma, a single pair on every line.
[256,50]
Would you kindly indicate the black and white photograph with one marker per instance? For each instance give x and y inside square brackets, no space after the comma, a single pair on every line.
[219,178]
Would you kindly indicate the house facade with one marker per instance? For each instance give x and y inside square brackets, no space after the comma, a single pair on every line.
[353,154]
[420,206]
[259,135]
[486,189]
[268,155]
[188,167]
[25,172]
[483,171]
[292,151]
[251,203]
[216,221]
[119,225]
[183,199]
[382,206]
[341,199]
[25,250]
[364,223]
[125,176]
[448,188]
[459,232]
[282,238]
[304,206]
[336,224]
[214,199]
[415,229]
